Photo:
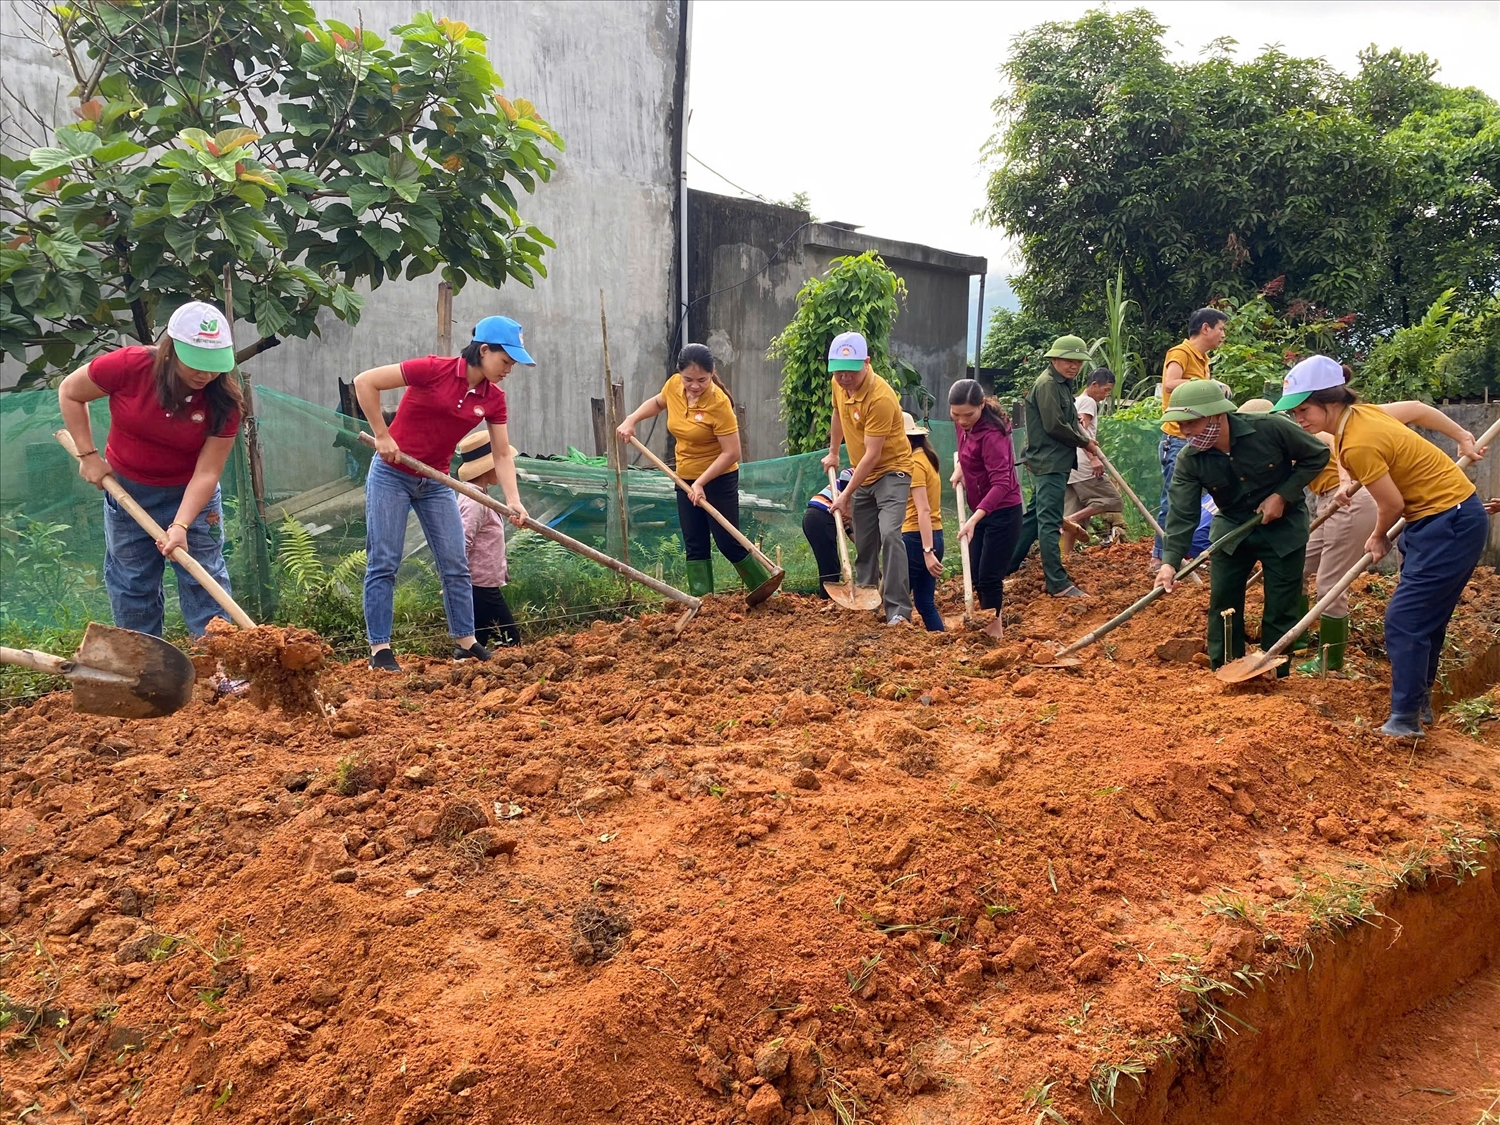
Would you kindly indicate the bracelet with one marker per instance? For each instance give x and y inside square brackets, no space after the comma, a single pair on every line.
[88,453]
[179,523]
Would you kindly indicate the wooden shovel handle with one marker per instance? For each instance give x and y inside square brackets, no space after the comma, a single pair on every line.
[479,496]
[960,500]
[739,536]
[36,661]
[838,525]
[180,555]
[1140,505]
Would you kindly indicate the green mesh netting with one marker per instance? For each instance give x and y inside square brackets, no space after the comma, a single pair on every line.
[304,561]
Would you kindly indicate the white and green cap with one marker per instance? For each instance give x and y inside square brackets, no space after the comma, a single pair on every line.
[1315,373]
[200,335]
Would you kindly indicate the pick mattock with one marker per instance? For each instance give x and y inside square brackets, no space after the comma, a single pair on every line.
[766,588]
[1145,511]
[1255,664]
[1065,657]
[846,594]
[479,496]
[179,556]
[963,544]
[117,672]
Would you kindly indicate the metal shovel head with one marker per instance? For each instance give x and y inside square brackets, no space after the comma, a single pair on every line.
[1249,666]
[865,598]
[766,588]
[129,675]
[1061,662]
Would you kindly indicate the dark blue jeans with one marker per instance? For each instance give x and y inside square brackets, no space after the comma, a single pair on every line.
[923,584]
[1168,451]
[1439,555]
[133,567]
[390,496]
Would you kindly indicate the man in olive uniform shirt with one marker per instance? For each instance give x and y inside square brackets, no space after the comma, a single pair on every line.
[1248,463]
[1053,438]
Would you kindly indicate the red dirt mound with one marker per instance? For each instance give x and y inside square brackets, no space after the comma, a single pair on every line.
[795,867]
[283,665]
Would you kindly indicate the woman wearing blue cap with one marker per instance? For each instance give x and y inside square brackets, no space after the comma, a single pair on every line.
[446,396]
[1446,524]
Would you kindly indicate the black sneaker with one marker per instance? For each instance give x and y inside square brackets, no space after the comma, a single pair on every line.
[384,661]
[475,651]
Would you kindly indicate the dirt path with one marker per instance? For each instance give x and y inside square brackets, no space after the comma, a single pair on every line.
[1440,1065]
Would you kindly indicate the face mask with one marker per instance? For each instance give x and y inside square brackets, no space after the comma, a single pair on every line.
[1206,437]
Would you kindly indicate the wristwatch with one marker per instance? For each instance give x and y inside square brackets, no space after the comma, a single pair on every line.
[929,550]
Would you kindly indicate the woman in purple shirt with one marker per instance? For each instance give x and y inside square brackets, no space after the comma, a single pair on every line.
[987,465]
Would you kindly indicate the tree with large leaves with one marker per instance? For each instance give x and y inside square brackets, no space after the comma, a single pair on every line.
[312,159]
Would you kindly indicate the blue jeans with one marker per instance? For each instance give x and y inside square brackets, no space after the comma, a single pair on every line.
[133,567]
[389,496]
[923,584]
[1169,449]
[1439,555]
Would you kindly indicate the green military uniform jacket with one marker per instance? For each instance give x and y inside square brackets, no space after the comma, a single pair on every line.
[1053,433]
[1267,454]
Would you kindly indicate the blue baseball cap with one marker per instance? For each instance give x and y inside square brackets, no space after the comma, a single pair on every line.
[501,331]
[848,352]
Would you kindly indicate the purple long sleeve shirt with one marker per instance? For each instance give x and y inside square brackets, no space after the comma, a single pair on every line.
[988,461]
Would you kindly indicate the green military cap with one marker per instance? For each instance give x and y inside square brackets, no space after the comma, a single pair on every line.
[1069,347]
[1197,398]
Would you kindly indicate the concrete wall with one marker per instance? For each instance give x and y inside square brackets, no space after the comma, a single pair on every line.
[747,260]
[606,75]
[1476,418]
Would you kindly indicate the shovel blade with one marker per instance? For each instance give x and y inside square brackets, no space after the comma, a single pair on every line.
[1061,662]
[766,588]
[129,675]
[865,598]
[1248,667]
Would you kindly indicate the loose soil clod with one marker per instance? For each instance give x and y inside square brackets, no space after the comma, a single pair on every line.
[283,665]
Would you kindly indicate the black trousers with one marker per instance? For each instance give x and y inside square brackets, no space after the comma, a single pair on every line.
[492,618]
[697,525]
[822,537]
[990,551]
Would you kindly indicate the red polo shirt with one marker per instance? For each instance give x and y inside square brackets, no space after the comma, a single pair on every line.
[146,443]
[439,407]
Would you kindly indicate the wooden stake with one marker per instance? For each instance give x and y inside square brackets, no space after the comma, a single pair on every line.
[445,319]
[611,420]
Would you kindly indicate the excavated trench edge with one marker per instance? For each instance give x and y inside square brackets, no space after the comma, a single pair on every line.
[1310,1023]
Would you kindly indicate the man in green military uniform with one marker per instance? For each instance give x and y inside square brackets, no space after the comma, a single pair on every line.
[1249,463]
[1053,438]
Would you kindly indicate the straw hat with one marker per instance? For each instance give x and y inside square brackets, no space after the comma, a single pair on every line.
[476,454]
[911,425]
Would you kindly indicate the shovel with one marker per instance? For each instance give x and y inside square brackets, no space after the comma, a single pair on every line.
[1065,657]
[117,672]
[846,594]
[479,496]
[766,588]
[1255,664]
[179,556]
[963,544]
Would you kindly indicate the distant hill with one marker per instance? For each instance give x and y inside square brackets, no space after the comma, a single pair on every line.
[997,295]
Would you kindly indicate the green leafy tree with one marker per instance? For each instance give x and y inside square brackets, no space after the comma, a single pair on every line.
[856,294]
[1198,181]
[311,158]
[1014,344]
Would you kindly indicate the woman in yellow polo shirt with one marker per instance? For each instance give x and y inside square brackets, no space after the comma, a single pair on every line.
[923,530]
[700,415]
[1408,477]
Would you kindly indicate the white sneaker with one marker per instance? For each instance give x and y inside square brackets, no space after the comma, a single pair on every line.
[897,619]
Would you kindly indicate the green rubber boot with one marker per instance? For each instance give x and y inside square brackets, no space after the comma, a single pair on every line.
[1306,639]
[752,573]
[700,576]
[1333,641]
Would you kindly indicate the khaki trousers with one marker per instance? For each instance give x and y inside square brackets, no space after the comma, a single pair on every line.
[1336,546]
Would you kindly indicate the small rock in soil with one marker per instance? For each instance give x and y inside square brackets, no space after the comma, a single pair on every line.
[764,1107]
[1092,965]
[492,841]
[805,779]
[537,779]
[418,776]
[343,875]
[1023,954]
[771,1060]
[1332,829]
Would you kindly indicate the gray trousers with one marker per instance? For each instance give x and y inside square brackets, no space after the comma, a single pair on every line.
[879,510]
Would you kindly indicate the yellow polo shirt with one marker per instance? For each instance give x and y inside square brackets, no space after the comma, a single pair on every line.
[923,475]
[1374,445]
[1194,366]
[699,427]
[1328,479]
[873,410]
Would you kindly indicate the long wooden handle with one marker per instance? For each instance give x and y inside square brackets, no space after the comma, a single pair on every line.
[154,529]
[963,544]
[1159,591]
[36,661]
[479,496]
[1125,487]
[1358,568]
[739,537]
[838,524]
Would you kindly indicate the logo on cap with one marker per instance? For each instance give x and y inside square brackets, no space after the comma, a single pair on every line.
[846,350]
[208,327]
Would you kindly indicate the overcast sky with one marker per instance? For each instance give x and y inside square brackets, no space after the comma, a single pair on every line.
[878,110]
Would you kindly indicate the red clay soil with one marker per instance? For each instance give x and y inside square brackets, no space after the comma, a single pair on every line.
[796,867]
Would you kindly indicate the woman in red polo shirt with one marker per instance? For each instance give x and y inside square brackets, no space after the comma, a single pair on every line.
[446,396]
[173,412]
